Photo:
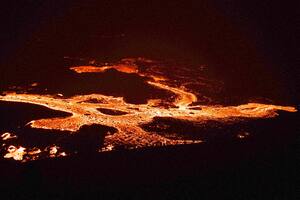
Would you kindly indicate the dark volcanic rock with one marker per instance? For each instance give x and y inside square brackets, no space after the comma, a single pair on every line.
[88,139]
[16,115]
[111,111]
[183,129]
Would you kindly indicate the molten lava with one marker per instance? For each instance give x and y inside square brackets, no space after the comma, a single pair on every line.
[133,116]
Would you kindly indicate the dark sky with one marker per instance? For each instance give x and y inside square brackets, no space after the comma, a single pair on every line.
[240,39]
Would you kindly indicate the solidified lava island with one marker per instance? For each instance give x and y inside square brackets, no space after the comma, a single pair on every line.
[127,124]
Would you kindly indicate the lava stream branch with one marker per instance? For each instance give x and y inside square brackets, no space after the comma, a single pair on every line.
[131,117]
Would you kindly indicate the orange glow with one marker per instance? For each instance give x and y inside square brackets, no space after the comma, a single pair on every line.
[109,147]
[86,69]
[53,150]
[23,154]
[62,154]
[34,84]
[34,151]
[93,69]
[7,136]
[16,153]
[128,125]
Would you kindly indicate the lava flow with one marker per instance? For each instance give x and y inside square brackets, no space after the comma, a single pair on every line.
[127,117]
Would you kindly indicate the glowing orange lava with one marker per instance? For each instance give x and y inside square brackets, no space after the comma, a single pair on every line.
[7,136]
[16,153]
[93,69]
[128,125]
